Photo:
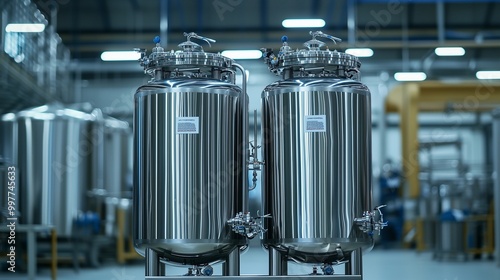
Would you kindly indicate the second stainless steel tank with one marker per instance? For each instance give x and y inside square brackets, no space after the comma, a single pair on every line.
[190,138]
[317,182]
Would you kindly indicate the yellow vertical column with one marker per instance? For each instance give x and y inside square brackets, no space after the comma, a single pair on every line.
[54,254]
[409,138]
[408,112]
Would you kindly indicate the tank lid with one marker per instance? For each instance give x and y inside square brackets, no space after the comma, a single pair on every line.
[53,111]
[312,61]
[191,57]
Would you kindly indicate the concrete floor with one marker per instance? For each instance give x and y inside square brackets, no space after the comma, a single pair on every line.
[378,264]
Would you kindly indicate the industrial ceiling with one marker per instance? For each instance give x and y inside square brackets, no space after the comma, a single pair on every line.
[402,33]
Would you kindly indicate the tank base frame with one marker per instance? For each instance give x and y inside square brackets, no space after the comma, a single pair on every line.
[278,268]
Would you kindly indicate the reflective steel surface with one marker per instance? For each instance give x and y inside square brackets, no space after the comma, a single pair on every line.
[52,150]
[186,186]
[316,183]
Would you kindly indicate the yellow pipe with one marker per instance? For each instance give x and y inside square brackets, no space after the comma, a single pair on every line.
[54,254]
[122,254]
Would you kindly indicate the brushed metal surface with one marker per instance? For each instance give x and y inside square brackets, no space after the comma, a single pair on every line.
[316,183]
[186,186]
[52,149]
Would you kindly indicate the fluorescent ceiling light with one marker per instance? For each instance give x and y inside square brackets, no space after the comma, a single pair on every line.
[410,76]
[449,51]
[120,56]
[360,52]
[242,54]
[303,23]
[488,75]
[25,27]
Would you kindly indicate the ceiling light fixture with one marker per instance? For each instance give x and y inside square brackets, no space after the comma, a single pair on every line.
[303,23]
[25,27]
[120,56]
[242,54]
[488,75]
[410,76]
[449,51]
[360,52]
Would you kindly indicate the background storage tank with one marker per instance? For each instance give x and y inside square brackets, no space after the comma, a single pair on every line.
[190,138]
[51,146]
[111,174]
[317,184]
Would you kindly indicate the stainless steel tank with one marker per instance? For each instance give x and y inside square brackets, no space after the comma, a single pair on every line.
[8,154]
[190,139]
[111,172]
[317,177]
[51,147]
[116,182]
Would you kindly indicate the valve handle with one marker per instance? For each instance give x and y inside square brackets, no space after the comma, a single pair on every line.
[380,213]
[196,36]
[266,216]
[324,35]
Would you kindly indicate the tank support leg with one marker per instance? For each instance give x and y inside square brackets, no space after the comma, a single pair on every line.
[278,263]
[153,264]
[162,269]
[232,265]
[355,264]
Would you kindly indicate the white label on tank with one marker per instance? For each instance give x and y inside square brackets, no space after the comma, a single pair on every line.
[188,125]
[315,123]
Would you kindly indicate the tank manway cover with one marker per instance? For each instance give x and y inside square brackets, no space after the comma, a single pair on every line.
[320,57]
[312,61]
[191,58]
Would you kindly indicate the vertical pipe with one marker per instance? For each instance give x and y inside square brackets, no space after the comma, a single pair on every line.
[164,22]
[246,135]
[315,8]
[244,77]
[31,253]
[255,132]
[278,264]
[41,59]
[29,195]
[152,263]
[53,42]
[263,19]
[75,26]
[232,265]
[3,25]
[351,22]
[496,169]
[440,21]
[383,91]
[355,264]
[47,181]
[53,251]
[98,130]
[405,50]
[200,16]
[66,76]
